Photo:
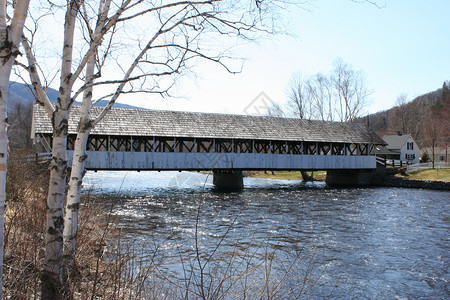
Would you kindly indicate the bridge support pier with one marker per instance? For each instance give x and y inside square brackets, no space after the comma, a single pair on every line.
[228,179]
[350,177]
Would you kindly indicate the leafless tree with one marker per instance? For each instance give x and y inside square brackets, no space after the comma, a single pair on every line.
[275,110]
[400,115]
[342,95]
[407,117]
[299,100]
[351,91]
[433,131]
[321,94]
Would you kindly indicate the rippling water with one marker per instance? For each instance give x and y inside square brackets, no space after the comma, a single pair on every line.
[383,243]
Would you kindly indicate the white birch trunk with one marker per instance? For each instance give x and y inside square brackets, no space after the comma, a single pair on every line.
[9,49]
[53,263]
[53,239]
[79,156]
[73,201]
[76,175]
[4,81]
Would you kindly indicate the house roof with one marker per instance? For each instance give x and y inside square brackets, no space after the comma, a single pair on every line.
[385,151]
[395,141]
[438,150]
[144,122]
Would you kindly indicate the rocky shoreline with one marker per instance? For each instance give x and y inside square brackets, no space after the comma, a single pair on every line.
[408,183]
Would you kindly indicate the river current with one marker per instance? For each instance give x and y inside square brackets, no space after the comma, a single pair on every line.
[359,243]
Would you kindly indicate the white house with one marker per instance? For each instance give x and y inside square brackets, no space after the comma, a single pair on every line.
[400,147]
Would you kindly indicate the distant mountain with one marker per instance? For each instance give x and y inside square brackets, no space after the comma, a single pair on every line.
[21,93]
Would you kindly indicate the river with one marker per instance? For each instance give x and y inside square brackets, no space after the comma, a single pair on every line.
[360,243]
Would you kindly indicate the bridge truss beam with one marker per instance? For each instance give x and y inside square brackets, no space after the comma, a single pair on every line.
[205,145]
[175,153]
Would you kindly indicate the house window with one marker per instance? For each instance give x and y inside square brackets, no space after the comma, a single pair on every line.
[442,158]
[410,146]
[410,156]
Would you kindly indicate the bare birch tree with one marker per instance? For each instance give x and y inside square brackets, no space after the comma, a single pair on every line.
[124,47]
[299,99]
[351,90]
[342,95]
[321,94]
[11,30]
[275,110]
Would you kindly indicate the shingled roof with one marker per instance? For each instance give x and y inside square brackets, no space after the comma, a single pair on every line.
[396,141]
[145,122]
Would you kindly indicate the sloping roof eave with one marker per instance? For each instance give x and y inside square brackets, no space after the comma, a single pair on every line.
[143,122]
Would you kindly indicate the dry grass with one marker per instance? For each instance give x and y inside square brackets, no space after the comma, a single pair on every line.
[436,174]
[288,175]
[94,277]
[24,224]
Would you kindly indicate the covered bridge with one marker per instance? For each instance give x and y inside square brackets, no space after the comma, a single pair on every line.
[141,139]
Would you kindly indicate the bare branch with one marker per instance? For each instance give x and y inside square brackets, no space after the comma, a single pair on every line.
[374,3]
[42,97]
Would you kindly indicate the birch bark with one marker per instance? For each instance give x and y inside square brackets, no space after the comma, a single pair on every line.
[76,175]
[52,269]
[9,49]
[79,155]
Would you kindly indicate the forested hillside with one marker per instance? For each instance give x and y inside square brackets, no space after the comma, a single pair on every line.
[426,118]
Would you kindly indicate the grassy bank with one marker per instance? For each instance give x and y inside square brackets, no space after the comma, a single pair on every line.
[435,175]
[287,175]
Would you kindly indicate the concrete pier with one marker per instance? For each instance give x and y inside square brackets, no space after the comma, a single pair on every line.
[350,177]
[228,179]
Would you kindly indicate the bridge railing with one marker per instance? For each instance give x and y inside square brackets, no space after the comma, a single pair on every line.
[425,166]
[216,145]
[390,162]
[39,157]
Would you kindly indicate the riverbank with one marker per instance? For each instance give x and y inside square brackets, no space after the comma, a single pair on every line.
[437,179]
[391,181]
[285,175]
[430,174]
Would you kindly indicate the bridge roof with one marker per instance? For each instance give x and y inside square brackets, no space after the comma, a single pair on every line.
[144,122]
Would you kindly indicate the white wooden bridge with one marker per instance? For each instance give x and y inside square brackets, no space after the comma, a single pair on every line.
[140,139]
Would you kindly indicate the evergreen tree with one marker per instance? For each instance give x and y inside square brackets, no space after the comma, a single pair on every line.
[446,92]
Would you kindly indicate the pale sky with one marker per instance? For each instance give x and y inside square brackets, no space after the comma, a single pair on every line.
[402,48]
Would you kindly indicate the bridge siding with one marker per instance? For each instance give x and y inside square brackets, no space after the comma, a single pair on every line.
[105,160]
